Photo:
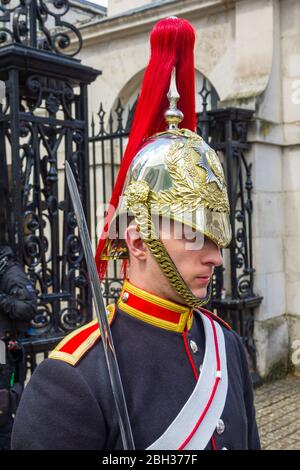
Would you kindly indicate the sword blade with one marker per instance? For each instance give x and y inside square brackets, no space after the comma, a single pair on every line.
[106,336]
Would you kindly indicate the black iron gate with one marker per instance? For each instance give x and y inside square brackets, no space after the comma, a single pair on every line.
[226,131]
[43,121]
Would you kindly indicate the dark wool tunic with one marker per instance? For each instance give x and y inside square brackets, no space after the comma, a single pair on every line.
[69,406]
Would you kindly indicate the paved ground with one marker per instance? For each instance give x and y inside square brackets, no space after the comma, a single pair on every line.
[278,414]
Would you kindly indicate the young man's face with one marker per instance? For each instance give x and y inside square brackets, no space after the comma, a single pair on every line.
[194,255]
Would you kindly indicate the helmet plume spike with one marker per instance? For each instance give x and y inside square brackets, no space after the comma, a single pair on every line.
[173,115]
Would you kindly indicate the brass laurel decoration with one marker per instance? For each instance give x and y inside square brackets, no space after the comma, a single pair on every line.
[137,192]
[187,192]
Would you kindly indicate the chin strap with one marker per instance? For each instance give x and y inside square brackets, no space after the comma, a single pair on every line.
[147,230]
[175,279]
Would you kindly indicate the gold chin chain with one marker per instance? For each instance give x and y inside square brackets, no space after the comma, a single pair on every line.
[170,271]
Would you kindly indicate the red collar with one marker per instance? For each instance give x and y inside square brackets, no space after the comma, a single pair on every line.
[154,310]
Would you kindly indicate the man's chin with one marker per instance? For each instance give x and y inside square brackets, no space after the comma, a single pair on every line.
[201,293]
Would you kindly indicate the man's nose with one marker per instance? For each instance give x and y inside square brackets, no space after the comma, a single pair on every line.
[213,255]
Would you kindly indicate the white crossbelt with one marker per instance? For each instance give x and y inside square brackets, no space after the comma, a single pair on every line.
[185,423]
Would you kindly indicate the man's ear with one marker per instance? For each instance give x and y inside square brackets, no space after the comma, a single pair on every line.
[135,244]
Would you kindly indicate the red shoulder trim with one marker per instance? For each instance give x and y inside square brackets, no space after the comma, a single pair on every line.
[74,346]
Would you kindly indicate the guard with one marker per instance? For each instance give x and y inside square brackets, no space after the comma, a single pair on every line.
[184,371]
[17,308]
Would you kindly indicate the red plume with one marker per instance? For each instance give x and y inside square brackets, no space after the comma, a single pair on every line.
[172,45]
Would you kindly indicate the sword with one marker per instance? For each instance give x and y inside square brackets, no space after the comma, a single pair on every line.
[107,340]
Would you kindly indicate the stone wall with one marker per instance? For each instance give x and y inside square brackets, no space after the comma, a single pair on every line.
[290,52]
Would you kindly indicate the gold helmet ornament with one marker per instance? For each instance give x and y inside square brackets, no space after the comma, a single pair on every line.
[174,176]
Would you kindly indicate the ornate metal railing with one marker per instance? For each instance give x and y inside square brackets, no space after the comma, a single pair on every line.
[39,24]
[226,131]
[43,122]
[236,301]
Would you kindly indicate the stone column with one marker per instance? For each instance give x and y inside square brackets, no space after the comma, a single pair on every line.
[257,85]
[290,21]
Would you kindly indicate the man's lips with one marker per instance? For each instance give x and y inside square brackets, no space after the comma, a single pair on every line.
[203,279]
[205,275]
